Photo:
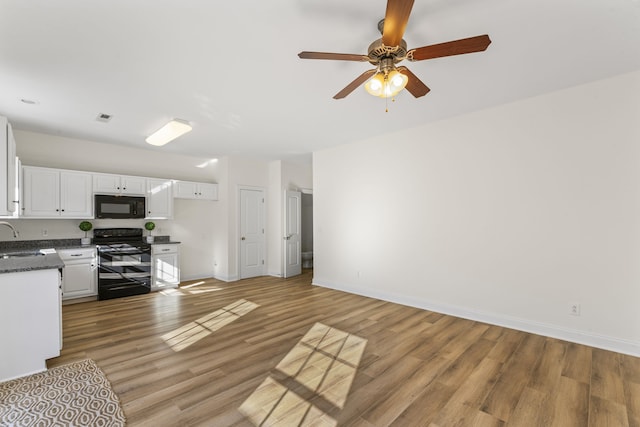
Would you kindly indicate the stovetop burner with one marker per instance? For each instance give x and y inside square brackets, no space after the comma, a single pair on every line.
[117,235]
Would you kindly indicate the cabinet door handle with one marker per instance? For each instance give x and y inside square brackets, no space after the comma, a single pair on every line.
[166,250]
[76,254]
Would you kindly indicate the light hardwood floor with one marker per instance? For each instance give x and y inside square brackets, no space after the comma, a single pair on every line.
[270,351]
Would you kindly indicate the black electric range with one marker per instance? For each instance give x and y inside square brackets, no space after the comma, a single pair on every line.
[124,262]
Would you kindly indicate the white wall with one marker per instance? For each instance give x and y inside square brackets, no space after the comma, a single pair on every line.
[275,224]
[505,215]
[37,149]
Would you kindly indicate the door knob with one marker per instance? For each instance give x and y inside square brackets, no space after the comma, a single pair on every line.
[243,238]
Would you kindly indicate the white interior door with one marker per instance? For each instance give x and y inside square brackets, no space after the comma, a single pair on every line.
[252,237]
[292,243]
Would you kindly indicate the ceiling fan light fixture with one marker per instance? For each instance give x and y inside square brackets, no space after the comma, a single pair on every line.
[386,85]
[169,132]
[374,84]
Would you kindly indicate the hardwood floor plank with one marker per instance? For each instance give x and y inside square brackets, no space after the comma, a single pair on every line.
[362,399]
[463,366]
[412,368]
[571,404]
[506,344]
[606,381]
[630,370]
[426,407]
[546,375]
[632,392]
[405,394]
[607,413]
[482,419]
[464,404]
[532,409]
[517,371]
[630,367]
[577,363]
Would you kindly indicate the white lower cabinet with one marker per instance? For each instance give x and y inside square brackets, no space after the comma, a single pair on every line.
[30,322]
[79,277]
[166,267]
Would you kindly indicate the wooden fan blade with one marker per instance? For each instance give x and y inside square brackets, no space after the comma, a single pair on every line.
[414,85]
[456,47]
[334,56]
[395,21]
[354,84]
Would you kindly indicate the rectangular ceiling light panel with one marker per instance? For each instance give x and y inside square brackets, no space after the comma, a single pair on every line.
[169,132]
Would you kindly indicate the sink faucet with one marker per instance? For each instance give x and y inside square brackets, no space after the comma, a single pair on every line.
[15,232]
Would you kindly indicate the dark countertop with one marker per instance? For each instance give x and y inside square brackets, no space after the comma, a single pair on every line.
[42,262]
[26,245]
[157,240]
[29,263]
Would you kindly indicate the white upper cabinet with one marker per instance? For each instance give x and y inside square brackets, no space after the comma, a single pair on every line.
[8,192]
[159,198]
[54,193]
[105,183]
[195,190]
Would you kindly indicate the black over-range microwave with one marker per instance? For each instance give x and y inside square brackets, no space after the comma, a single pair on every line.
[120,207]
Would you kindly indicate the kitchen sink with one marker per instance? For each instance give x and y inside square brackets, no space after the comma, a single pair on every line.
[22,254]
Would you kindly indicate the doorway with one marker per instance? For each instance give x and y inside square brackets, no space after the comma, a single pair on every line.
[306,233]
[298,232]
[292,233]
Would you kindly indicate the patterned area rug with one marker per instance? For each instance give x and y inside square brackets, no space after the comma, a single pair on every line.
[77,394]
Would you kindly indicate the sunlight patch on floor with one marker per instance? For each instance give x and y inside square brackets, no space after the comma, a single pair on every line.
[323,365]
[202,282]
[186,335]
[274,404]
[186,290]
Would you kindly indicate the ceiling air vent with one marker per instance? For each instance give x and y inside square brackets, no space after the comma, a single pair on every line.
[104,117]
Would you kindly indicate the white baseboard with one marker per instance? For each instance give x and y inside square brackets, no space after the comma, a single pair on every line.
[225,278]
[594,340]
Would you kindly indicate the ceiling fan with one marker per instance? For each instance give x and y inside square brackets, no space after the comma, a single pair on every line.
[386,80]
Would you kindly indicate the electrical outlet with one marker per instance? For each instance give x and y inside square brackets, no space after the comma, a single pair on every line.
[574,308]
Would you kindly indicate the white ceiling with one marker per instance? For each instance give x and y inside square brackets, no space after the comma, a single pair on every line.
[232,69]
